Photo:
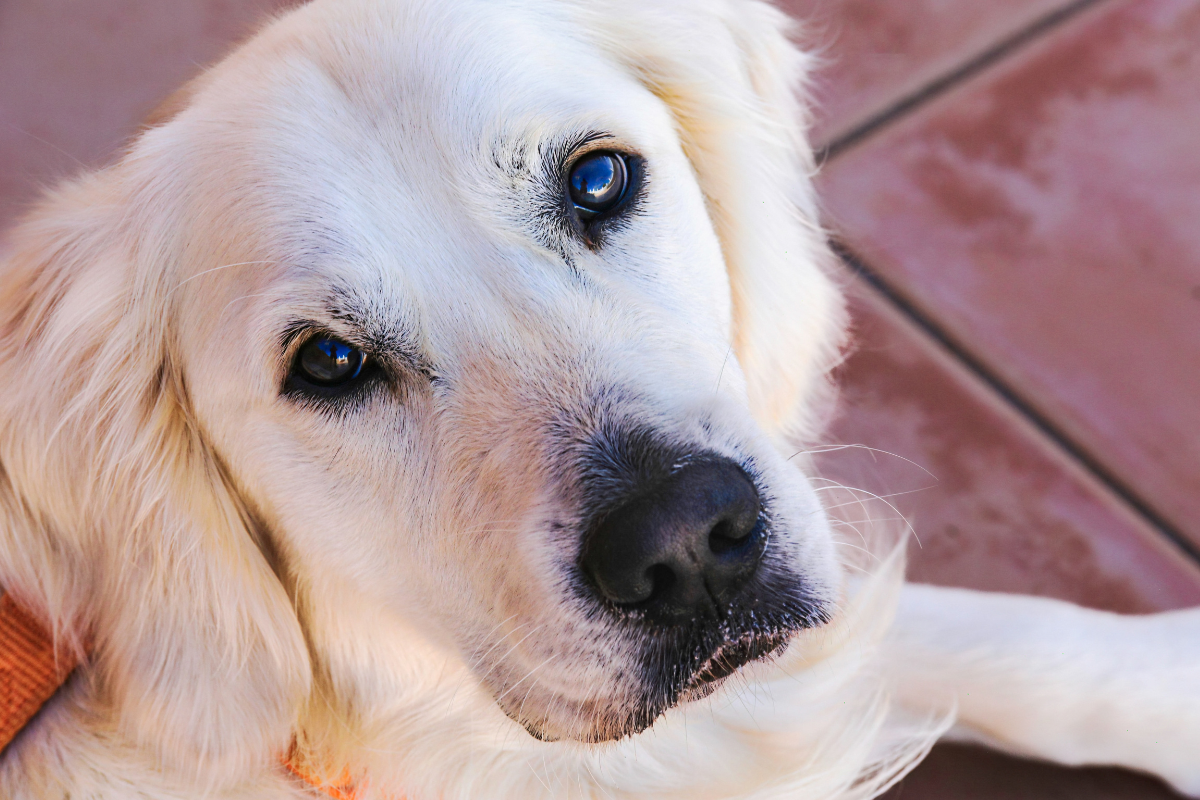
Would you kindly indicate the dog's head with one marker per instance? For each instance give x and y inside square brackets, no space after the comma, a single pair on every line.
[470,324]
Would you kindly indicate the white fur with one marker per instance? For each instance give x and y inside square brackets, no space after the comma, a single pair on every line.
[1044,678]
[254,570]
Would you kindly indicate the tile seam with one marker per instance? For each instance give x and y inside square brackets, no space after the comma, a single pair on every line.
[1072,449]
[938,86]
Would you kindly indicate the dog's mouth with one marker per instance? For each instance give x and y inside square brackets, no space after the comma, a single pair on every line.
[729,658]
[725,661]
[670,667]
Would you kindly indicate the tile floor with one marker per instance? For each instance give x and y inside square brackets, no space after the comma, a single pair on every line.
[1016,188]
[1043,215]
[877,52]
[1014,184]
[78,77]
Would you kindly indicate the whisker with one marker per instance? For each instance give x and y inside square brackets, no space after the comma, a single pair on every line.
[528,675]
[215,269]
[818,450]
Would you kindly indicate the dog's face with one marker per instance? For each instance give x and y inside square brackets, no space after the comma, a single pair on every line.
[466,352]
[480,324]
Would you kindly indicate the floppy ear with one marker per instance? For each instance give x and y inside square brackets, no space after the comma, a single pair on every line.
[730,76]
[118,518]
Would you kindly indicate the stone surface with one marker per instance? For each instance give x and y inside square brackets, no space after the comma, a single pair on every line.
[1041,215]
[994,504]
[954,772]
[1044,216]
[878,51]
[78,77]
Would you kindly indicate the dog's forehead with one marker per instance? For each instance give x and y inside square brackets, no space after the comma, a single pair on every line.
[402,124]
[375,164]
[436,89]
[389,148]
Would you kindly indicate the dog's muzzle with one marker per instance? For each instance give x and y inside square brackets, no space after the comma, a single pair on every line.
[686,570]
[677,556]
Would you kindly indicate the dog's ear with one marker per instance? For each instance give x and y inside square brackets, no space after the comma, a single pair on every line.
[731,78]
[117,516]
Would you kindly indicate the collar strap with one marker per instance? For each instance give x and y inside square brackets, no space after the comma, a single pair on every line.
[342,788]
[30,670]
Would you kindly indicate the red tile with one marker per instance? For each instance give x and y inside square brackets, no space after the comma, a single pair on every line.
[955,772]
[877,51]
[78,77]
[994,504]
[1045,215]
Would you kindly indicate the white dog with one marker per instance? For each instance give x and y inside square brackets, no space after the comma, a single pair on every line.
[408,413]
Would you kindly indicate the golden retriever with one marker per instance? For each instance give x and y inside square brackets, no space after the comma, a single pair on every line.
[416,403]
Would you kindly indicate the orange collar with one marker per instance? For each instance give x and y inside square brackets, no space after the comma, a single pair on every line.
[31,672]
[342,788]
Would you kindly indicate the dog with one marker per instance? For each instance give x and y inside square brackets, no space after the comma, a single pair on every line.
[418,410]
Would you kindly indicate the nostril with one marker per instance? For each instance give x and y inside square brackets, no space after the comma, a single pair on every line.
[662,579]
[726,537]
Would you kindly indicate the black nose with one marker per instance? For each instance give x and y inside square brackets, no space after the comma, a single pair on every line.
[684,548]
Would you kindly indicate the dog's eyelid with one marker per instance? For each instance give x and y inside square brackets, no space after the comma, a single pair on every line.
[560,152]
[599,143]
[296,334]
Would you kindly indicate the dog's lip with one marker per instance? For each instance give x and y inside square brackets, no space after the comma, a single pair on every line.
[727,659]
[730,657]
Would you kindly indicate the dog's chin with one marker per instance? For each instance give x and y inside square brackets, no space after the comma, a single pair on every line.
[596,724]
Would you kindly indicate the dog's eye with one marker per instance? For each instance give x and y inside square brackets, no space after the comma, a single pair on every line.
[329,362]
[598,182]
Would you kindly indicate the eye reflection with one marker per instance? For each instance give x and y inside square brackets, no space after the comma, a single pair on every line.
[598,182]
[327,361]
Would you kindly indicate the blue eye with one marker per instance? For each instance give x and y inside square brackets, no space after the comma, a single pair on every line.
[597,182]
[329,362]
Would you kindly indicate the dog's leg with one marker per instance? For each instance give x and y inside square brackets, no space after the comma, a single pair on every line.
[1052,680]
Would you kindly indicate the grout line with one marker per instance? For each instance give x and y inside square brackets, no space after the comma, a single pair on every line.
[901,108]
[1024,407]
[940,85]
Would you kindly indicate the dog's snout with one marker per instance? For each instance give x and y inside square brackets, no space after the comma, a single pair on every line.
[683,548]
